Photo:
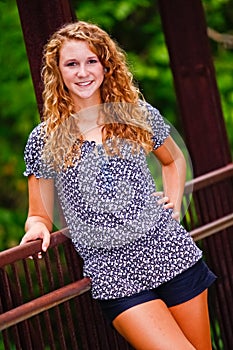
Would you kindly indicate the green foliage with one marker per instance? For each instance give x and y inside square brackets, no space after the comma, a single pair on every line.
[135,24]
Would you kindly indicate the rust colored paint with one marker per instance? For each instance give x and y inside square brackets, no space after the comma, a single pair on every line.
[39,19]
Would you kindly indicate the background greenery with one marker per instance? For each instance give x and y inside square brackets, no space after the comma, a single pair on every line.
[136,26]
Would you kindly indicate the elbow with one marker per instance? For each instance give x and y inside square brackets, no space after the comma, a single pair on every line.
[182,162]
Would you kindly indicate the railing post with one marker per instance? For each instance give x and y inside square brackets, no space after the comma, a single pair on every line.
[195,83]
[39,19]
[202,119]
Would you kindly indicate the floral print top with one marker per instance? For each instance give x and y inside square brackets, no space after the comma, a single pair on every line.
[127,241]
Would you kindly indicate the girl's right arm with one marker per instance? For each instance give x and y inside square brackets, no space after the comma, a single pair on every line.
[39,222]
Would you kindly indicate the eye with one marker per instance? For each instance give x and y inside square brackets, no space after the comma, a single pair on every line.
[92,60]
[71,64]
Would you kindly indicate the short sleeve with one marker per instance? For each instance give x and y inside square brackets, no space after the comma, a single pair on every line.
[33,155]
[160,129]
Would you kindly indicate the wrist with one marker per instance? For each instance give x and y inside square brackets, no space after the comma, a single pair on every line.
[176,215]
[39,222]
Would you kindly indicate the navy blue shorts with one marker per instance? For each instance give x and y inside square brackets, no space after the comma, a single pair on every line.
[180,289]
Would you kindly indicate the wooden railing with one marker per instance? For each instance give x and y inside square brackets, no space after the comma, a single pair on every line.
[46,301]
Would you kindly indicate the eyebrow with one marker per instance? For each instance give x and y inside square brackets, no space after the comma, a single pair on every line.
[71,59]
[92,57]
[95,56]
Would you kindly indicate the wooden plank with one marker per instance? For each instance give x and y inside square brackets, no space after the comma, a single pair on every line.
[43,303]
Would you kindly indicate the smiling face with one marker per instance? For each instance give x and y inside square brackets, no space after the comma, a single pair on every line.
[81,72]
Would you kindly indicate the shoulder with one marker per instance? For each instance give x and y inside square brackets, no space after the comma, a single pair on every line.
[36,136]
[33,154]
[159,126]
[38,131]
[151,110]
[35,142]
[153,116]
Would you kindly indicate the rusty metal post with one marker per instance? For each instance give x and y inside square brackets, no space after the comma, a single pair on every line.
[195,83]
[39,19]
[201,114]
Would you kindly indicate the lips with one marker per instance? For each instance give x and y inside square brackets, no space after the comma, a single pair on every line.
[85,83]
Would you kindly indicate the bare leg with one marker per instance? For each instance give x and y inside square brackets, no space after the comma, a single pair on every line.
[193,318]
[151,326]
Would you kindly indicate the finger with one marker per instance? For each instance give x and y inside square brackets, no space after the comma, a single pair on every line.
[46,242]
[39,255]
[157,194]
[163,200]
[23,240]
[169,205]
[29,237]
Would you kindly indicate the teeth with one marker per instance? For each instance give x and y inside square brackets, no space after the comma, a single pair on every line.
[85,83]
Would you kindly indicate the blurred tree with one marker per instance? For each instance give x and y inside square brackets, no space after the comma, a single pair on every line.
[135,24]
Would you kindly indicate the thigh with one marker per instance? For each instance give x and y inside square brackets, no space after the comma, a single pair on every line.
[150,325]
[193,319]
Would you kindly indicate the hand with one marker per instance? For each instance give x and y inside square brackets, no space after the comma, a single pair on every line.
[164,200]
[37,230]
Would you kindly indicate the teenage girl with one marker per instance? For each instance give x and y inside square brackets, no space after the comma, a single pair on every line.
[147,273]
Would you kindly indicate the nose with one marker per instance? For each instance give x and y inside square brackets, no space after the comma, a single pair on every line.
[82,71]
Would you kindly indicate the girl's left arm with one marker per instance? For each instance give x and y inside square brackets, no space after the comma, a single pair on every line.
[173,165]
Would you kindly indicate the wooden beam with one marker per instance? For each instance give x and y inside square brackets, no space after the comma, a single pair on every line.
[198,98]
[39,19]
[44,303]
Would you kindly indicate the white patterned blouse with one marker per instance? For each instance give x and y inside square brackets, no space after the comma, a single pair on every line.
[127,241]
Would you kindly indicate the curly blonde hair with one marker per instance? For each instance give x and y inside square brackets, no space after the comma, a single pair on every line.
[118,92]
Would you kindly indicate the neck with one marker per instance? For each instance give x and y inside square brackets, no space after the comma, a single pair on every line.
[91,102]
[89,124]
